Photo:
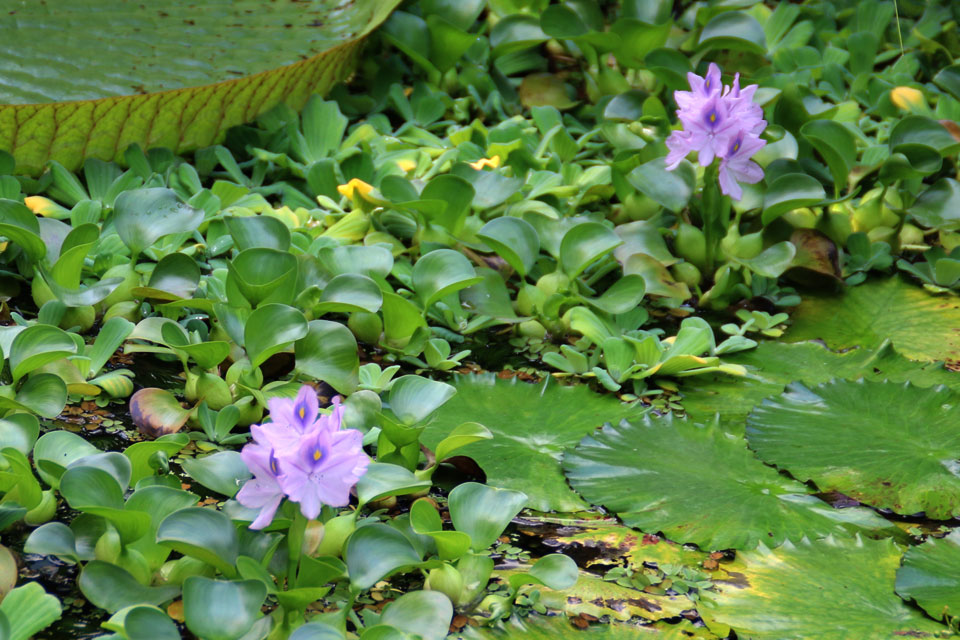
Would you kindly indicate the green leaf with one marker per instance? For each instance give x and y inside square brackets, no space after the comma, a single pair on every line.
[55,451]
[19,224]
[440,273]
[261,231]
[414,398]
[263,275]
[375,551]
[426,614]
[270,329]
[916,129]
[465,434]
[323,126]
[736,30]
[36,346]
[95,491]
[584,244]
[798,587]
[19,431]
[328,352]
[897,450]
[788,192]
[931,575]
[382,480]
[425,521]
[672,189]
[28,610]
[555,571]
[515,240]
[222,472]
[143,216]
[112,334]
[144,622]
[656,278]
[532,425]
[938,206]
[919,325]
[483,512]
[176,276]
[348,292]
[623,295]
[773,261]
[205,534]
[836,145]
[112,588]
[401,318]
[184,103]
[221,609]
[516,32]
[540,627]
[641,471]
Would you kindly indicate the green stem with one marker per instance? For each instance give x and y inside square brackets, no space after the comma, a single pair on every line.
[709,212]
[295,547]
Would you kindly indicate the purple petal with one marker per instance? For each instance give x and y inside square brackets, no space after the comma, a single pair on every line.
[728,185]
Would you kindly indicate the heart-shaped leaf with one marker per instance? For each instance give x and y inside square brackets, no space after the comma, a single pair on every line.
[375,551]
[221,609]
[483,512]
[143,216]
[328,352]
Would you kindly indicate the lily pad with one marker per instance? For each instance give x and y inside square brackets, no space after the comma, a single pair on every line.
[159,71]
[772,365]
[831,589]
[642,471]
[888,445]
[532,425]
[931,575]
[921,326]
[534,627]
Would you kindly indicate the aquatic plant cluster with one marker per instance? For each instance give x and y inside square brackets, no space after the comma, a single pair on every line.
[480,320]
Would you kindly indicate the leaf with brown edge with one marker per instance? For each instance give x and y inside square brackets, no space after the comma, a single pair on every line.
[174,73]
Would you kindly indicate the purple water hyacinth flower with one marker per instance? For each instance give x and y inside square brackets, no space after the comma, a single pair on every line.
[719,122]
[301,455]
[326,466]
[736,165]
[263,491]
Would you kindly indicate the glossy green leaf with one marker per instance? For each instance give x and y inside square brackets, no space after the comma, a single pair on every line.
[204,534]
[261,231]
[36,346]
[382,480]
[514,240]
[19,431]
[914,129]
[28,610]
[270,329]
[263,275]
[788,192]
[734,30]
[641,471]
[897,449]
[19,224]
[774,260]
[143,216]
[112,588]
[584,244]
[465,434]
[425,521]
[930,575]
[375,551]
[836,145]
[426,614]
[348,292]
[112,334]
[440,273]
[483,512]
[414,398]
[938,206]
[401,318]
[185,103]
[672,189]
[328,352]
[221,609]
[222,472]
[144,622]
[175,276]
[55,451]
[140,454]
[623,295]
[798,587]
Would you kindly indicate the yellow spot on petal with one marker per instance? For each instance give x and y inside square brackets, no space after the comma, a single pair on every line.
[406,165]
[302,412]
[906,97]
[713,117]
[317,455]
[355,186]
[493,163]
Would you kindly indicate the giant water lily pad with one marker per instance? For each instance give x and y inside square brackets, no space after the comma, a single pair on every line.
[88,78]
[830,589]
[700,485]
[536,627]
[772,365]
[594,596]
[532,425]
[931,575]
[920,325]
[889,445]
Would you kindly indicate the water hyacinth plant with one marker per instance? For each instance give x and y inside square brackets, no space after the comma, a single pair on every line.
[302,455]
